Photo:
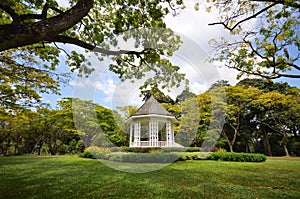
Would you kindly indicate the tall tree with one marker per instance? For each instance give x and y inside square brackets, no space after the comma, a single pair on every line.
[238,99]
[96,124]
[278,110]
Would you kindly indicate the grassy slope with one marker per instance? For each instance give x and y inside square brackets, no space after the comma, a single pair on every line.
[72,177]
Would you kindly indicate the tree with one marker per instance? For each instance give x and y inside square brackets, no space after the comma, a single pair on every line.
[59,130]
[265,33]
[32,34]
[14,129]
[266,85]
[219,83]
[278,112]
[238,99]
[211,114]
[188,122]
[184,95]
[96,125]
[127,111]
[155,90]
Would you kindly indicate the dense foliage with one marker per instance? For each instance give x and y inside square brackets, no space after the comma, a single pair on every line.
[259,117]
[49,131]
[265,37]
[161,156]
[42,42]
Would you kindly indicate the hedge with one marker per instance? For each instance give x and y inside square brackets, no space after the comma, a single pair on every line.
[163,149]
[237,157]
[142,157]
[164,155]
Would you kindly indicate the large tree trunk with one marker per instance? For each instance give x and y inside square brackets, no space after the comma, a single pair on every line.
[21,34]
[267,144]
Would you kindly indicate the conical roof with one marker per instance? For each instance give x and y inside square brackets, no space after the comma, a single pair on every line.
[151,107]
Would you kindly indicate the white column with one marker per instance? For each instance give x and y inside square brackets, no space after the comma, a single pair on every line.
[155,132]
[137,133]
[168,133]
[150,133]
[130,136]
[135,136]
[172,134]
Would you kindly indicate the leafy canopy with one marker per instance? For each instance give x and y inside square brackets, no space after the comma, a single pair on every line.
[39,37]
[265,38]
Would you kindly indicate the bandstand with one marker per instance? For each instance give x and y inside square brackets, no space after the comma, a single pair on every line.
[152,126]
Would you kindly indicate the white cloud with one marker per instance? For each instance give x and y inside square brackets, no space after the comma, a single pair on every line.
[193,25]
[198,88]
[107,87]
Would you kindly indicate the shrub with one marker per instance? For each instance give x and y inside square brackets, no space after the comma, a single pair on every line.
[163,149]
[193,149]
[140,157]
[192,155]
[79,146]
[237,157]
[173,149]
[63,149]
[115,149]
[95,152]
[221,150]
[140,149]
[149,157]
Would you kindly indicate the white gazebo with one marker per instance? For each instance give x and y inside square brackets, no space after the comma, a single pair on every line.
[152,126]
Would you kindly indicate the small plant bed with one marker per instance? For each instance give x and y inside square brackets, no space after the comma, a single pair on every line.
[157,155]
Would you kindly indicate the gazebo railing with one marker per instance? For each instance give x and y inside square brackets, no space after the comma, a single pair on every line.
[152,144]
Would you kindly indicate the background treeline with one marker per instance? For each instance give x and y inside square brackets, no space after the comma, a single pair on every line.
[258,116]
[54,131]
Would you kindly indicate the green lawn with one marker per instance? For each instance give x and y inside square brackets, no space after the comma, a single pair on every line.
[73,177]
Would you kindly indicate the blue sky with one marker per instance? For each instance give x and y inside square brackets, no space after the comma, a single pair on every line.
[105,88]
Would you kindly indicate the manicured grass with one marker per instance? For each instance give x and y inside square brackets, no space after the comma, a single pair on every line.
[73,177]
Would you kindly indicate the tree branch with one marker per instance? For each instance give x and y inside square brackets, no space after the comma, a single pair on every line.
[17,35]
[43,15]
[246,19]
[255,51]
[8,10]
[283,2]
[275,75]
[294,66]
[77,42]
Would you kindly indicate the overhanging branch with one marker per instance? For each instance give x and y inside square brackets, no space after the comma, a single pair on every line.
[77,42]
[283,2]
[246,19]
[18,35]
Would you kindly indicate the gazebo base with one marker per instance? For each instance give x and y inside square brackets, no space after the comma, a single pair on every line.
[154,144]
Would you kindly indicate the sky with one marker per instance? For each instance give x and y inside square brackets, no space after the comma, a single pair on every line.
[105,88]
